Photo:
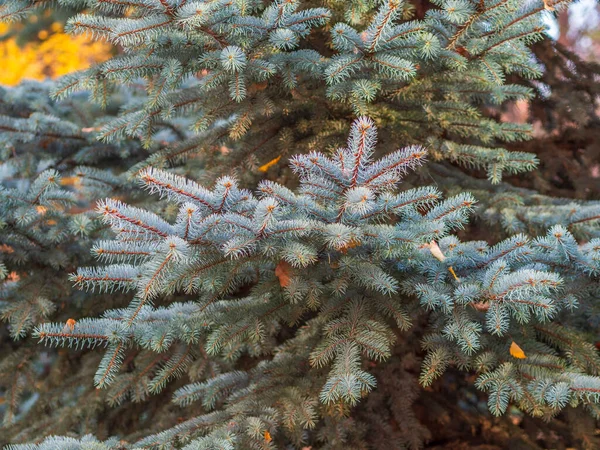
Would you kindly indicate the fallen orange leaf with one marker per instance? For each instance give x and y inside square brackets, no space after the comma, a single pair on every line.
[70,324]
[282,271]
[516,351]
[268,165]
[268,437]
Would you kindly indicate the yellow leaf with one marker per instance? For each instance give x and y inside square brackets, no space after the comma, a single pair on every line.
[70,181]
[516,351]
[270,164]
[451,270]
[548,5]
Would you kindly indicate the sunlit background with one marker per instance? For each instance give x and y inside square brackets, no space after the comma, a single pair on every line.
[578,28]
[40,49]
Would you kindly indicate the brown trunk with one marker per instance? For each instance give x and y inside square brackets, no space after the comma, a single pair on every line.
[563,24]
[421,7]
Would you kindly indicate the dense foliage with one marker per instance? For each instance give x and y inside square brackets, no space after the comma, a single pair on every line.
[195,255]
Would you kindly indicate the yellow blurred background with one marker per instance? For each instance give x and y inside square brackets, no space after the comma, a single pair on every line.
[50,54]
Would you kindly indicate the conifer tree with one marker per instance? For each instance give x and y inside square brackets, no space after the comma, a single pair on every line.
[231,226]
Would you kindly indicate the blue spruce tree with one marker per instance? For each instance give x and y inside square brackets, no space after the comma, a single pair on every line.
[195,255]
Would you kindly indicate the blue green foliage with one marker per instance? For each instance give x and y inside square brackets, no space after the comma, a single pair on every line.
[210,295]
